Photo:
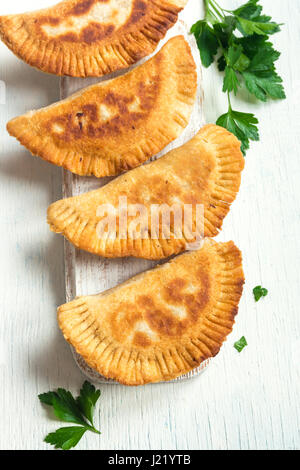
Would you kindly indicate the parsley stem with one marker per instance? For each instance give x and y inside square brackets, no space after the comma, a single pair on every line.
[95,431]
[229,101]
[220,8]
[216,8]
[92,429]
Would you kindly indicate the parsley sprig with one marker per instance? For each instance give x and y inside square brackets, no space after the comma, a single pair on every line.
[239,41]
[70,410]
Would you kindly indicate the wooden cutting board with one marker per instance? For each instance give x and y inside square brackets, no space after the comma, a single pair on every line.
[87,274]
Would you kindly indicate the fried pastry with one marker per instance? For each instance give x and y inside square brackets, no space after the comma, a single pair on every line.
[162,323]
[205,171]
[114,126]
[84,38]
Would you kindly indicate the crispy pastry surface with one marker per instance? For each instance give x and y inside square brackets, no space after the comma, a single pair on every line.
[206,170]
[162,323]
[84,38]
[114,126]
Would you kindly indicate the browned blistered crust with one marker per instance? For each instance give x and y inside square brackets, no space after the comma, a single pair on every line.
[114,126]
[162,323]
[206,170]
[72,38]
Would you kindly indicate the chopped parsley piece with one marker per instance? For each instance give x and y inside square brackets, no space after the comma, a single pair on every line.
[241,344]
[259,292]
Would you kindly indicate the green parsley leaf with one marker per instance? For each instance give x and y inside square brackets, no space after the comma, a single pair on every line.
[264,59]
[263,86]
[224,32]
[69,410]
[231,81]
[250,10]
[64,406]
[259,292]
[242,125]
[234,53]
[229,25]
[47,398]
[249,27]
[251,21]
[242,63]
[87,400]
[66,438]
[260,76]
[254,44]
[239,345]
[206,41]
[66,409]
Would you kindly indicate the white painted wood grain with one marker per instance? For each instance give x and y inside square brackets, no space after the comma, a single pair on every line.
[243,401]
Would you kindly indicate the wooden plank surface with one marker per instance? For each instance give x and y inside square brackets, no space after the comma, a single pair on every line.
[87,274]
[242,401]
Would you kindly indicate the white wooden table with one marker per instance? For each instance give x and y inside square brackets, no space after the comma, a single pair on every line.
[243,401]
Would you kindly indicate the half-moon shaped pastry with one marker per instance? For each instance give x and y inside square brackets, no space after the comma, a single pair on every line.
[114,126]
[162,323]
[205,171]
[83,38]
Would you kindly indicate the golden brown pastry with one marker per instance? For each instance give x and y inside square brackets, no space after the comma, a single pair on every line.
[162,323]
[206,170]
[84,38]
[114,126]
